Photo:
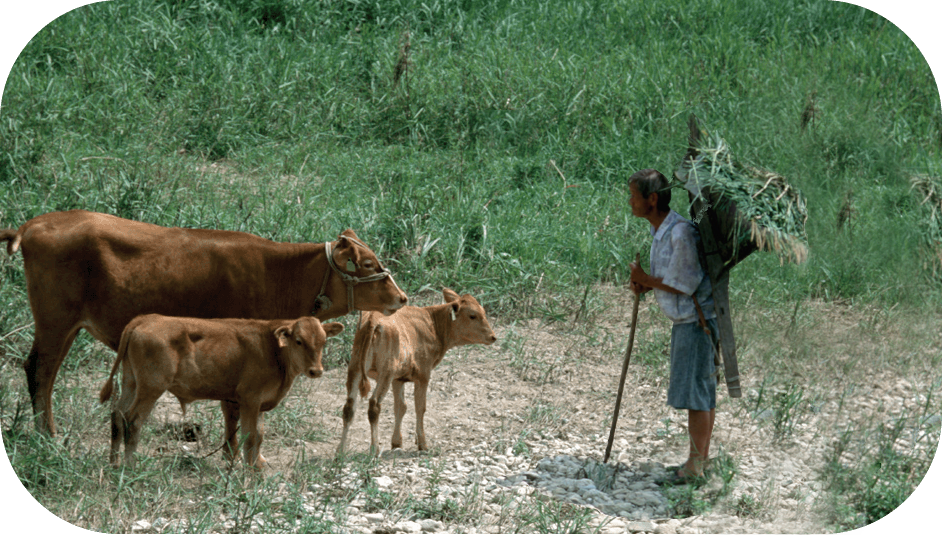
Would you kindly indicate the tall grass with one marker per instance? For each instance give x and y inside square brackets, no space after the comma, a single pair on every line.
[478,144]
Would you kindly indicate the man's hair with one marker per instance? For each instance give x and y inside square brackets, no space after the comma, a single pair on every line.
[652,181]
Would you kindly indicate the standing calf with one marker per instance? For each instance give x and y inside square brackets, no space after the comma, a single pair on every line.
[406,347]
[248,365]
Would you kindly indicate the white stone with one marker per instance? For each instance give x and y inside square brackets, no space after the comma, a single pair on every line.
[641,527]
[669,527]
[409,526]
[431,526]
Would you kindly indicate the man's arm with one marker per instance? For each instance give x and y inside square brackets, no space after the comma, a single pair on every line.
[641,282]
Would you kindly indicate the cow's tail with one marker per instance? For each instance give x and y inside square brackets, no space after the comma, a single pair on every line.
[13,238]
[108,388]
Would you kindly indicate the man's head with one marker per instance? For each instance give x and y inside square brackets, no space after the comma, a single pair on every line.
[650,194]
[647,182]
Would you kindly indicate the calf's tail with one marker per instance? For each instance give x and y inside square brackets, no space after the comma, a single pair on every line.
[12,237]
[108,388]
[362,345]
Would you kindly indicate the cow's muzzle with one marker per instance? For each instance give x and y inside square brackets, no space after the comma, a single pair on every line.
[314,373]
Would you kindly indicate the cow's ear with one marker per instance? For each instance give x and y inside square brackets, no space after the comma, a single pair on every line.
[454,311]
[282,334]
[333,329]
[449,295]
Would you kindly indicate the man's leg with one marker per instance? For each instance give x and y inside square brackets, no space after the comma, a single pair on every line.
[700,427]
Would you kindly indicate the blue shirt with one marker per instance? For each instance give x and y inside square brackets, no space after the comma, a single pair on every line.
[675,259]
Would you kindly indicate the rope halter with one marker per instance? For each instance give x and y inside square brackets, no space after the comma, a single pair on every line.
[322,302]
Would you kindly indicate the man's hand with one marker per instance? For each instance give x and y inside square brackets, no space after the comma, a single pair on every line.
[638,277]
[641,282]
[638,289]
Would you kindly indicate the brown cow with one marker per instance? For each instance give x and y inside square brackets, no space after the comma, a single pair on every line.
[97,272]
[248,365]
[405,348]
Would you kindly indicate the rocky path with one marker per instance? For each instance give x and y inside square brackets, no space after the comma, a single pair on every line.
[522,426]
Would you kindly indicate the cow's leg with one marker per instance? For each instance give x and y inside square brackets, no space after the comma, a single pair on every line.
[50,346]
[230,415]
[253,436]
[376,401]
[399,404]
[421,389]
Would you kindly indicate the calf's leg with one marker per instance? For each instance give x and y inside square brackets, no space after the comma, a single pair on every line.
[399,405]
[144,401]
[119,413]
[349,409]
[230,416]
[253,436]
[421,390]
[376,400]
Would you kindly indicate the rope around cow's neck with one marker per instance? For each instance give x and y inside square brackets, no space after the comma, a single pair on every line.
[349,280]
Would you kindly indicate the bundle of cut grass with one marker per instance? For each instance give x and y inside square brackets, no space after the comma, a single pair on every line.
[756,208]
[930,191]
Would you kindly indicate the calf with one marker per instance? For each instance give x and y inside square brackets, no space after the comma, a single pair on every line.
[248,365]
[406,347]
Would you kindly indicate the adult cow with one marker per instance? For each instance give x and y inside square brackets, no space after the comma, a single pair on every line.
[97,272]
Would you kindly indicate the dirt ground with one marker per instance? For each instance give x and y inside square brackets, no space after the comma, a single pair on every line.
[558,381]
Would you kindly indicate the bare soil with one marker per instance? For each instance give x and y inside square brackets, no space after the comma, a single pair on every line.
[857,369]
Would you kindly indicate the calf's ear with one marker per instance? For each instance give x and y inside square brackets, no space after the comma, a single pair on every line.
[449,295]
[333,328]
[282,334]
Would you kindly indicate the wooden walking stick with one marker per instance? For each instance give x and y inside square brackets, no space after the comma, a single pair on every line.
[624,369]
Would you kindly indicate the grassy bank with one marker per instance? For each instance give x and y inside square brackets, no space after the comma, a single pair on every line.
[481,143]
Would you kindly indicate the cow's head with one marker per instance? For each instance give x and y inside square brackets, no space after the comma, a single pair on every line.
[301,344]
[468,319]
[360,275]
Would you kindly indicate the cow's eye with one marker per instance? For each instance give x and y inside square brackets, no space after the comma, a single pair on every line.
[472,317]
[298,342]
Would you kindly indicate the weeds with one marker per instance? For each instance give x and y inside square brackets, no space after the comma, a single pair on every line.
[783,406]
[871,479]
[545,515]
[686,501]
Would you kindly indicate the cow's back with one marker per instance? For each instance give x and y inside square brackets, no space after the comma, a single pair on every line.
[104,270]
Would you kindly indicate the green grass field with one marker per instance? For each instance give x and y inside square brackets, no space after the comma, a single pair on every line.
[483,145]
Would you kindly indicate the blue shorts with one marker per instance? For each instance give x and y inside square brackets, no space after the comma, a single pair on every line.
[693,379]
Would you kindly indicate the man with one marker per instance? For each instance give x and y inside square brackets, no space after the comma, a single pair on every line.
[684,293]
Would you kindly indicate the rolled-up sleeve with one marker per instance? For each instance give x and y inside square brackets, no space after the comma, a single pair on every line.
[684,272]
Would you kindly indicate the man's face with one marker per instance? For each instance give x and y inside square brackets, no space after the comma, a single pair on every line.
[641,207]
